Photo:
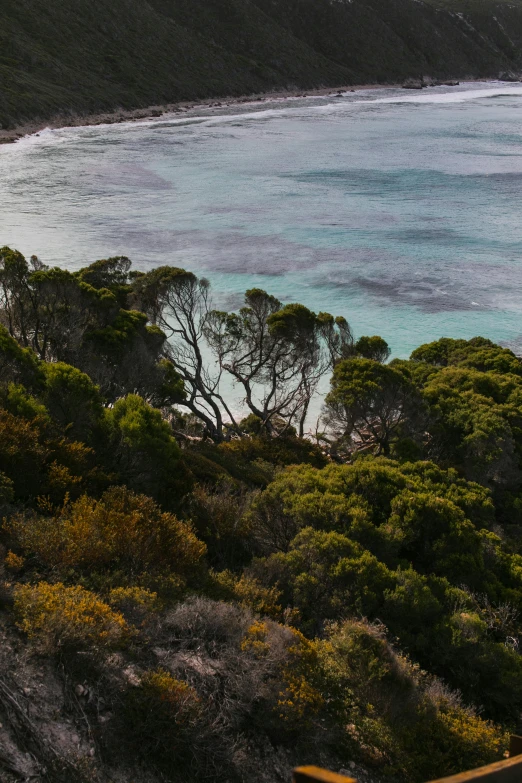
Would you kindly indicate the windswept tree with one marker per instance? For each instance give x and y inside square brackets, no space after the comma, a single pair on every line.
[277,354]
[178,302]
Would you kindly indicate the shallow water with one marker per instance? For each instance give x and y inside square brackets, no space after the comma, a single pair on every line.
[401,211]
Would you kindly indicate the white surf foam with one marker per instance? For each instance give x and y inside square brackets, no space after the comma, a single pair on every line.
[459,96]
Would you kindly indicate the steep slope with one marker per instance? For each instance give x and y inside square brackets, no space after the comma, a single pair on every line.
[393,39]
[89,55]
[92,55]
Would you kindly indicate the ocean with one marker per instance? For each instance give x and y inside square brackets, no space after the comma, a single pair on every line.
[400,210]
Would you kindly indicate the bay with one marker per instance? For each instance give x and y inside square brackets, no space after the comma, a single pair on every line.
[399,210]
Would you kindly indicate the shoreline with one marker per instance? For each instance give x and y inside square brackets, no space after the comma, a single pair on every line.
[159,110]
[155,111]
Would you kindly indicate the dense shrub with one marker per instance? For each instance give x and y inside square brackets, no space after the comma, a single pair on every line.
[57,617]
[395,716]
[73,400]
[141,449]
[162,715]
[123,539]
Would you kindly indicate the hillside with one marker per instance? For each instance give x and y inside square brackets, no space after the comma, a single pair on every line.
[60,57]
[187,597]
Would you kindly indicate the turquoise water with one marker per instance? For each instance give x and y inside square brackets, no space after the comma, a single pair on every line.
[401,211]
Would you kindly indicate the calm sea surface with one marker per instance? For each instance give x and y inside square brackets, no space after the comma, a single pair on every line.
[401,211]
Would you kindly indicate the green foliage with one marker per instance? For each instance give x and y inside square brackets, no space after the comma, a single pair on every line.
[324,574]
[478,353]
[136,55]
[62,317]
[15,399]
[247,592]
[372,348]
[143,451]
[72,399]
[171,387]
[109,273]
[395,542]
[370,404]
[17,364]
[476,421]
[357,499]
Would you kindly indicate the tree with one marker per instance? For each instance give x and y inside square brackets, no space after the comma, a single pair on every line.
[110,273]
[72,400]
[479,352]
[372,348]
[370,405]
[17,364]
[277,355]
[434,535]
[140,446]
[326,575]
[475,418]
[178,302]
[73,318]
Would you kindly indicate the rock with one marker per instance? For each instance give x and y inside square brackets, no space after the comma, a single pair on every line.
[509,76]
[413,84]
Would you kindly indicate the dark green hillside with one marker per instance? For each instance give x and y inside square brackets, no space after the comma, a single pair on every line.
[85,56]
[91,55]
[380,40]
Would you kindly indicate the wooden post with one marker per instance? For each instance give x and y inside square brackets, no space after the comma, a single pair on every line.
[515,745]
[318,775]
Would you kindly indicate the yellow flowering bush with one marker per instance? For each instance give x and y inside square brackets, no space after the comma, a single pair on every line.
[291,669]
[248,592]
[255,640]
[56,616]
[300,701]
[452,740]
[13,561]
[393,715]
[121,597]
[122,533]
